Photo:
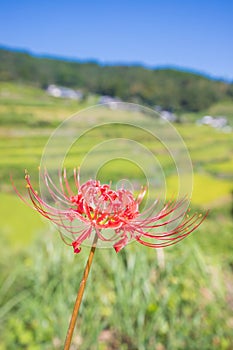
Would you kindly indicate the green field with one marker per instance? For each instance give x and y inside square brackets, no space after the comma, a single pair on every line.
[141,299]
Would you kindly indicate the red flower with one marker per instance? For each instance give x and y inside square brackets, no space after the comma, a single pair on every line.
[98,207]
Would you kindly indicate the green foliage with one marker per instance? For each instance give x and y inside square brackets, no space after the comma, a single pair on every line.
[168,88]
[132,300]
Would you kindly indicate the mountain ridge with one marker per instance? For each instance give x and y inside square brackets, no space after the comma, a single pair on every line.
[116,63]
[168,87]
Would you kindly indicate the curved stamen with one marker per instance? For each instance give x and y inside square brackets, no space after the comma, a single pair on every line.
[98,207]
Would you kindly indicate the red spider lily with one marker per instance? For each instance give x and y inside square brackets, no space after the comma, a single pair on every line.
[96,207]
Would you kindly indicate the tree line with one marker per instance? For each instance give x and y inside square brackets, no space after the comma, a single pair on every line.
[169,88]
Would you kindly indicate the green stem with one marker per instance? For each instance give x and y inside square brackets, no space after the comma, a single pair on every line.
[80,296]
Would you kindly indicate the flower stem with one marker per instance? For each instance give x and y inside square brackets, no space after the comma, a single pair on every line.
[80,295]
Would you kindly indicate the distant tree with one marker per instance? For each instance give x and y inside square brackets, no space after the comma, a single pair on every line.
[169,88]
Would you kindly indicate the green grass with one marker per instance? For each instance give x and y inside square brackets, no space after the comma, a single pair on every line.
[19,224]
[224,169]
[131,301]
[207,190]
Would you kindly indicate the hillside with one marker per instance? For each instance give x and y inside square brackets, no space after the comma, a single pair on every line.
[169,88]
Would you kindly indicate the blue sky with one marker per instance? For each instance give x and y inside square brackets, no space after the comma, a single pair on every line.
[195,35]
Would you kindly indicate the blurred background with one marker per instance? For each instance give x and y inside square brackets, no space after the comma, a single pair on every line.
[174,57]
